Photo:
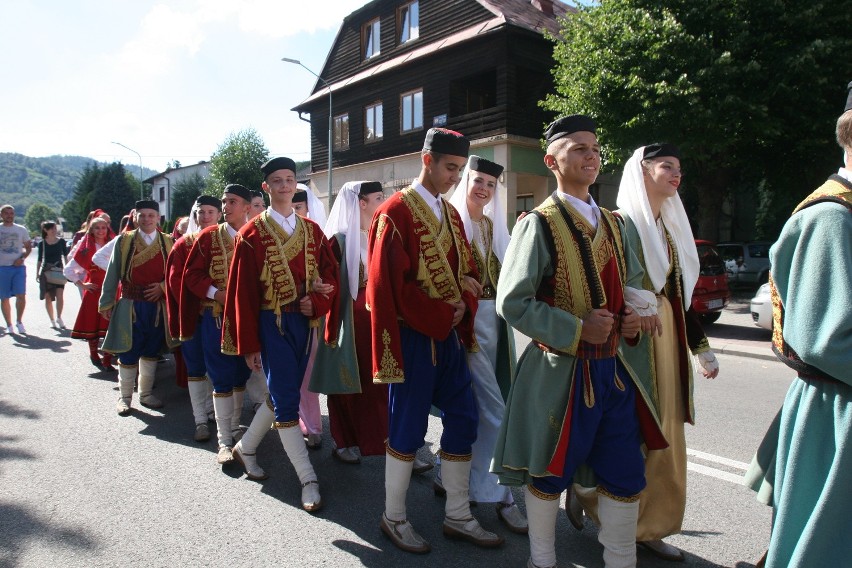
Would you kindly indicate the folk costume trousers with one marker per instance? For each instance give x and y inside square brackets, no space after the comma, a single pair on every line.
[604,431]
[436,373]
[226,372]
[148,333]
[284,349]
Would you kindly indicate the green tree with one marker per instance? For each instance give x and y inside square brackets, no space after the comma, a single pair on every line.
[77,208]
[114,192]
[37,213]
[237,160]
[184,194]
[748,90]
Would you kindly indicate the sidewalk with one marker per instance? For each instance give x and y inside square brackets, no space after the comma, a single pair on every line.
[736,334]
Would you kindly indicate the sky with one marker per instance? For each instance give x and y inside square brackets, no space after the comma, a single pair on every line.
[171,80]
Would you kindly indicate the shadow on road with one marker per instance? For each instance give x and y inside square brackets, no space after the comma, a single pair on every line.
[34,342]
[20,527]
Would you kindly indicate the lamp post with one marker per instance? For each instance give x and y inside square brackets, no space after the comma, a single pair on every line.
[141,187]
[330,120]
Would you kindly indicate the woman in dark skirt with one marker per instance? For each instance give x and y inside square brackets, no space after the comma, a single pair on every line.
[52,254]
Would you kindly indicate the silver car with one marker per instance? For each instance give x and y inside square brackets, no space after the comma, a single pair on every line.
[747,263]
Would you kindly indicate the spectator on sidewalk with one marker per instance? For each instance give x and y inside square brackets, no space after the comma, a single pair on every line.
[14,239]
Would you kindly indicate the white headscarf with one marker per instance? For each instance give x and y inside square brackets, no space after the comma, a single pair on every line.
[345,217]
[192,226]
[633,200]
[493,210]
[316,209]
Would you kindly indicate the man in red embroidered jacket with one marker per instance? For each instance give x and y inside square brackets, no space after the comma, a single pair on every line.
[282,278]
[416,291]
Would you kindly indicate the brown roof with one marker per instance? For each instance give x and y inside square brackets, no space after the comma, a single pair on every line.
[527,14]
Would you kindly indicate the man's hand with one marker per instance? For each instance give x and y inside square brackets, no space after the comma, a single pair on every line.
[472,286]
[219,297]
[306,307]
[153,292]
[254,361]
[597,326]
[459,308]
[630,323]
[322,288]
[107,314]
[90,286]
[19,262]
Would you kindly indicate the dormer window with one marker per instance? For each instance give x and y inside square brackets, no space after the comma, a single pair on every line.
[371,36]
[408,17]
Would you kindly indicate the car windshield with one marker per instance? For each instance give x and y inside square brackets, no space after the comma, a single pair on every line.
[730,252]
[710,261]
[758,251]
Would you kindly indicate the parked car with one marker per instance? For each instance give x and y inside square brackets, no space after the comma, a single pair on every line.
[761,308]
[747,262]
[711,293]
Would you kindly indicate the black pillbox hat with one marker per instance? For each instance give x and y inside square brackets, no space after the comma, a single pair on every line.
[479,164]
[239,190]
[660,149]
[567,125]
[147,204]
[369,187]
[443,141]
[276,164]
[208,200]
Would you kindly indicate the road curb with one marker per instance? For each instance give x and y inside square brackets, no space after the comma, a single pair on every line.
[763,353]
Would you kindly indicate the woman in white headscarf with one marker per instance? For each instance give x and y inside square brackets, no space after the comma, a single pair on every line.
[477,199]
[306,204]
[658,231]
[357,407]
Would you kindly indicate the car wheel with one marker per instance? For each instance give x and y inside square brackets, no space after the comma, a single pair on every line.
[711,317]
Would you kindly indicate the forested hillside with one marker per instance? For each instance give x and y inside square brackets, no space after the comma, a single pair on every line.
[25,181]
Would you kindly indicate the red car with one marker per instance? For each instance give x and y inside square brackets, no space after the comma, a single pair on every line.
[711,293]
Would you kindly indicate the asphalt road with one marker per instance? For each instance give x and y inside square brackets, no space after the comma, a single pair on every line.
[80,486]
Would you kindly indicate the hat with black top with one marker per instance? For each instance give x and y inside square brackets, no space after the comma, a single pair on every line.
[208,200]
[848,97]
[300,196]
[368,187]
[444,141]
[479,164]
[660,149]
[239,191]
[256,193]
[276,164]
[147,204]
[567,125]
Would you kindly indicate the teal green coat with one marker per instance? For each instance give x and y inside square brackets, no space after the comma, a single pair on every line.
[538,399]
[336,365]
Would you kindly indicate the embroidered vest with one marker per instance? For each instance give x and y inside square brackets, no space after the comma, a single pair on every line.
[487,263]
[835,190]
[589,271]
[221,254]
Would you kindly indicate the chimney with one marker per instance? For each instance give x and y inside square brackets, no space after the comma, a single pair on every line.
[543,6]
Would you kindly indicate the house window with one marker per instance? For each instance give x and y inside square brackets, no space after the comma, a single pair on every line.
[524,204]
[409,22]
[473,93]
[412,111]
[373,122]
[371,35]
[162,194]
[341,132]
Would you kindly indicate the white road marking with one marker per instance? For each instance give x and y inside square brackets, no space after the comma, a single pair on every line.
[717,459]
[717,473]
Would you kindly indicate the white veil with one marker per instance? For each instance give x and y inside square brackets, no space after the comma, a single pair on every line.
[494,211]
[192,226]
[633,200]
[345,217]
[316,209]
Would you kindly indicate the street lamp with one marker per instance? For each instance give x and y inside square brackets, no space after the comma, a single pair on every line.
[330,120]
[141,187]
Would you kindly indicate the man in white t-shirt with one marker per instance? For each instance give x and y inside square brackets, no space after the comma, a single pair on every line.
[15,247]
